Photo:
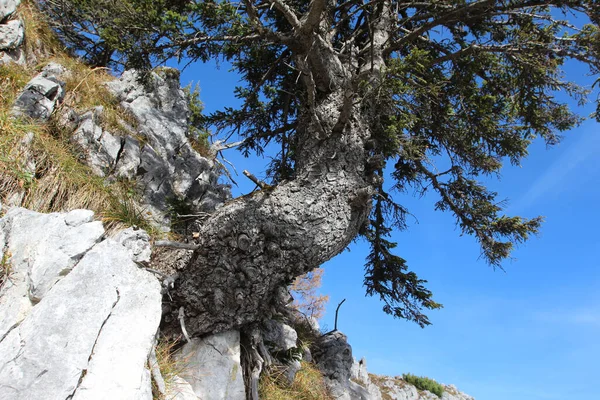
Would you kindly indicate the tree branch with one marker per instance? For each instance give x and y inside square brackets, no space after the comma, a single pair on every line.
[287,12]
[311,20]
[175,245]
[254,179]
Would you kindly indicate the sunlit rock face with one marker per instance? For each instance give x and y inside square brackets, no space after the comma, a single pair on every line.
[166,166]
[12,33]
[78,316]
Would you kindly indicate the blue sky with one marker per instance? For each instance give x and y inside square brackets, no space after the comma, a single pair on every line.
[529,333]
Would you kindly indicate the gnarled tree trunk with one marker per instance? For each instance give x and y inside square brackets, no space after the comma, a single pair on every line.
[256,245]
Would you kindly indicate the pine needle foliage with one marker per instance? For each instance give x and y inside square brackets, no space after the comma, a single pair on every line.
[449,92]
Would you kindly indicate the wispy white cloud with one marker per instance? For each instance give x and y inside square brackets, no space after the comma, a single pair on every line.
[586,147]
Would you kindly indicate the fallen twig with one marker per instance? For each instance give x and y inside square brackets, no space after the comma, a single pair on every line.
[176,245]
[181,318]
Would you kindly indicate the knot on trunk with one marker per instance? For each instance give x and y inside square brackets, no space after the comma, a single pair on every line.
[362,197]
[243,242]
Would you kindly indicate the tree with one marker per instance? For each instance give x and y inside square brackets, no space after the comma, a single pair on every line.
[307,300]
[103,32]
[445,92]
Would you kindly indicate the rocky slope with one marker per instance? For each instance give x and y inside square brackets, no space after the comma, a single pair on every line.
[82,309]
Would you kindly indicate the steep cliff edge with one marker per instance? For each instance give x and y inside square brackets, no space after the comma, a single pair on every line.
[82,303]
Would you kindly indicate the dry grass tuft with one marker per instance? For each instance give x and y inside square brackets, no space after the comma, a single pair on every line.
[40,40]
[46,174]
[86,89]
[169,366]
[5,268]
[12,79]
[308,385]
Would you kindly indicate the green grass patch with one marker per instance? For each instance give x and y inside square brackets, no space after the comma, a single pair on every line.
[424,383]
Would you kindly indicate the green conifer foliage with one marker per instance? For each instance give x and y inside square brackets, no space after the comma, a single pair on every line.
[449,91]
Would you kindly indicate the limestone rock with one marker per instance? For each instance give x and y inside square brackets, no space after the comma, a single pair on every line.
[333,356]
[129,160]
[137,243]
[279,336]
[117,368]
[39,257]
[7,8]
[398,389]
[212,366]
[11,35]
[452,393]
[101,148]
[54,70]
[89,335]
[358,372]
[13,56]
[39,97]
[78,217]
[168,166]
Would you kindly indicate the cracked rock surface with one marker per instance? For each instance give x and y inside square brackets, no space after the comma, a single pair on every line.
[12,33]
[40,257]
[166,166]
[40,96]
[90,332]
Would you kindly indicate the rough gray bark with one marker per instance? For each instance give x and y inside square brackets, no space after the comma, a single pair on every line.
[257,244]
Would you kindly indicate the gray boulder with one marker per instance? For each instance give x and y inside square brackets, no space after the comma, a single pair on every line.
[212,366]
[333,356]
[7,8]
[39,97]
[43,248]
[89,335]
[11,35]
[279,336]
